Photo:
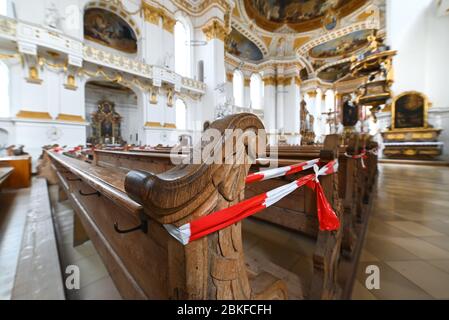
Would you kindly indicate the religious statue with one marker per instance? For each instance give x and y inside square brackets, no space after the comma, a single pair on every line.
[306,125]
[170,97]
[52,16]
[222,110]
[167,60]
[280,49]
[387,70]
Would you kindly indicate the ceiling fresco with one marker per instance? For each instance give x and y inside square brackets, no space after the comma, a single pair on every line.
[300,15]
[343,46]
[241,47]
[335,73]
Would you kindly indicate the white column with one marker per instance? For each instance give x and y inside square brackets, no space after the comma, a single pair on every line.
[280,99]
[214,75]
[291,110]
[269,104]
[329,105]
[246,92]
[316,111]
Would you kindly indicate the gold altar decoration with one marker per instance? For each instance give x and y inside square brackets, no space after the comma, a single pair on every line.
[106,124]
[410,135]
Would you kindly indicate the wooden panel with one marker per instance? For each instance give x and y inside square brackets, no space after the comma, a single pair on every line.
[21,177]
[5,172]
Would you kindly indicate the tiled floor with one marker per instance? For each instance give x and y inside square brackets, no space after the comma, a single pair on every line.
[95,282]
[407,238]
[13,211]
[408,235]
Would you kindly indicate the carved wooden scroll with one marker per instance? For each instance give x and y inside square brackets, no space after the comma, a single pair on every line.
[212,267]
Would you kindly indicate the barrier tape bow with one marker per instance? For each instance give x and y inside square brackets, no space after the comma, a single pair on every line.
[197,229]
[280,172]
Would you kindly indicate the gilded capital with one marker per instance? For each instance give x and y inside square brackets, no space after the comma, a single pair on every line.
[154,15]
[270,81]
[312,94]
[214,29]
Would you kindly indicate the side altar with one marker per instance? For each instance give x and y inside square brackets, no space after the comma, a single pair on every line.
[106,125]
[410,135]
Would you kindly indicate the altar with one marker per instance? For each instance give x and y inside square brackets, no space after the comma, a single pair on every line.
[410,135]
[106,125]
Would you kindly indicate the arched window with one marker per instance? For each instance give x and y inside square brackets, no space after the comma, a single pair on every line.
[256,91]
[237,86]
[4,90]
[182,49]
[181,115]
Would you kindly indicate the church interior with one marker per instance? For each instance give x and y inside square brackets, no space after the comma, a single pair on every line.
[224,150]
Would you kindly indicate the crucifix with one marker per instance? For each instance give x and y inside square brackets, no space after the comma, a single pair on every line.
[331,117]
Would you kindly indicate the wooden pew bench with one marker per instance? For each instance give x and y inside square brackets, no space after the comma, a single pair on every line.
[152,264]
[21,177]
[323,286]
[5,172]
[355,184]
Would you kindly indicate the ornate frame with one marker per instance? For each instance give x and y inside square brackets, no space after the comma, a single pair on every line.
[426,111]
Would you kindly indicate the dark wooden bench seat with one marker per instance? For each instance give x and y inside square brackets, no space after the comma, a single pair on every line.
[154,265]
[108,182]
[5,172]
[132,160]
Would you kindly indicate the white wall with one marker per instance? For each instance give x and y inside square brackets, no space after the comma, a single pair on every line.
[420,36]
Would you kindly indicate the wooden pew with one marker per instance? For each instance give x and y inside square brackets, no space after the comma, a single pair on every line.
[153,265]
[5,172]
[325,258]
[355,187]
[21,177]
[298,212]
[324,284]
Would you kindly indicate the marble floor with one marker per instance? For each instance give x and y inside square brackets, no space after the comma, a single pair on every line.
[408,235]
[407,239]
[95,281]
[13,212]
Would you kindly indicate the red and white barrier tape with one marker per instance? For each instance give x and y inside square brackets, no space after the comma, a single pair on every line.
[328,220]
[280,172]
[361,156]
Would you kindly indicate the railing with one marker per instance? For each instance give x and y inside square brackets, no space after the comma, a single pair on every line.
[30,36]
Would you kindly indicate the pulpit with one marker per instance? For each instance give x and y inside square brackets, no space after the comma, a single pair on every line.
[410,135]
[106,125]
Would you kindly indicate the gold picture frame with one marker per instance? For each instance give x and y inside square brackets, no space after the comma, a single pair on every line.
[426,106]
